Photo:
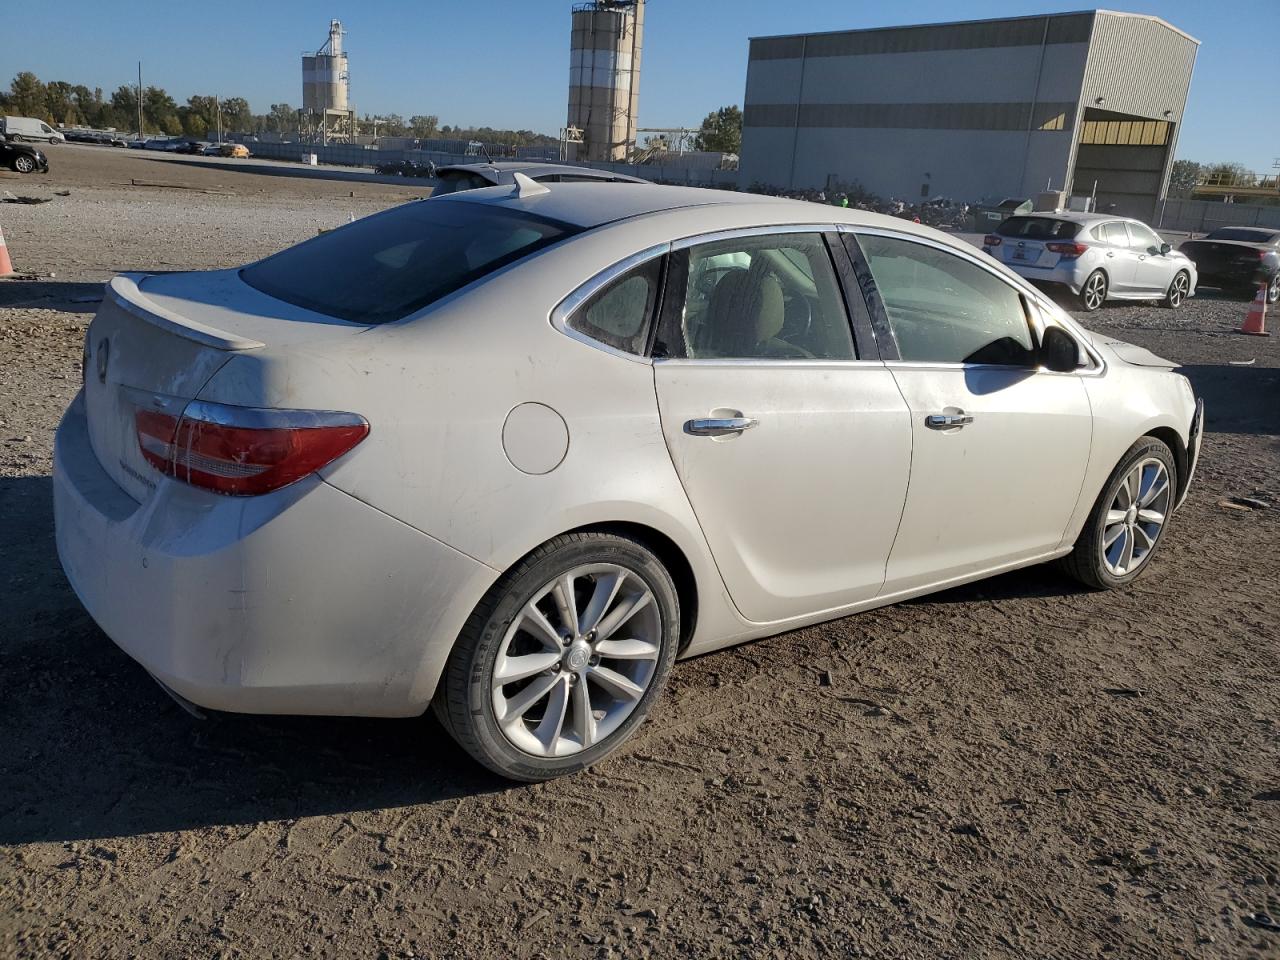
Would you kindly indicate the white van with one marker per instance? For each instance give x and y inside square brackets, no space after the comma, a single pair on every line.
[29,128]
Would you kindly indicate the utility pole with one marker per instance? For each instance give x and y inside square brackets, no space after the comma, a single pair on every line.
[140,134]
[217,110]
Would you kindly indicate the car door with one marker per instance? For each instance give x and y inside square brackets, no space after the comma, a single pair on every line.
[793,446]
[1118,258]
[999,447]
[1153,270]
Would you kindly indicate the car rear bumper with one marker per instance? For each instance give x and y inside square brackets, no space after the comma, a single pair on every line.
[1066,274]
[304,600]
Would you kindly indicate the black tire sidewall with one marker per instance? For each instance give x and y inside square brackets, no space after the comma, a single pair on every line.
[1168,296]
[468,698]
[1096,525]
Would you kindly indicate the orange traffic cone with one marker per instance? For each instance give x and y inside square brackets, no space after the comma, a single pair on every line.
[6,265]
[1255,323]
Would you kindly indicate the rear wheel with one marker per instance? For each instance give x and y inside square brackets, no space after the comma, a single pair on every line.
[1128,519]
[1177,292]
[563,658]
[1094,292]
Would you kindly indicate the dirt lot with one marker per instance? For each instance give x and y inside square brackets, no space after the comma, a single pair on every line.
[1012,769]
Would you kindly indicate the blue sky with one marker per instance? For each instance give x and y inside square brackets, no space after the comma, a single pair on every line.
[505,63]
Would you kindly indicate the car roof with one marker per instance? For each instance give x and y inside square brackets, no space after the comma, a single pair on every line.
[1072,217]
[535,169]
[591,205]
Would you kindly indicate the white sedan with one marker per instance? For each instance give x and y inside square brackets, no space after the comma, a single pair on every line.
[512,451]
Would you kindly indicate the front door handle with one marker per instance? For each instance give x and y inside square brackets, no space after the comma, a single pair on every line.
[945,421]
[719,426]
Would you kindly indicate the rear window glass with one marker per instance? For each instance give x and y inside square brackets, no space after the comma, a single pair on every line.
[1248,236]
[394,263]
[451,181]
[1038,228]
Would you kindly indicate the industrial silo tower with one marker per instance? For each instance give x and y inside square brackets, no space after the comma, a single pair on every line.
[326,88]
[604,77]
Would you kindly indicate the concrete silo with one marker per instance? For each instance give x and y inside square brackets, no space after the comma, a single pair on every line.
[604,77]
[326,88]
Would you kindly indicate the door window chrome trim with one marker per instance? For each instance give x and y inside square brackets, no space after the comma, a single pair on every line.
[778,229]
[1046,310]
[805,362]
[565,308]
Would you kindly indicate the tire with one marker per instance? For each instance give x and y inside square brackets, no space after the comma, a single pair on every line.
[1176,295]
[1093,292]
[1093,559]
[23,164]
[1273,288]
[533,740]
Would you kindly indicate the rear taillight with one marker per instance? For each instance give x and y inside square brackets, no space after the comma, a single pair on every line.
[244,451]
[991,240]
[1068,251]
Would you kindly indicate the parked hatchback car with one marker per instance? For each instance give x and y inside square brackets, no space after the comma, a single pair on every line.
[1239,258]
[513,451]
[22,157]
[1098,258]
[477,176]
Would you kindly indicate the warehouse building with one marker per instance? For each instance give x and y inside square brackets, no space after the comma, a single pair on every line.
[973,110]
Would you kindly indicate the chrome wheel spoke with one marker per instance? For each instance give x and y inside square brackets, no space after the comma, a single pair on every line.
[627,650]
[607,587]
[1148,541]
[615,683]
[1115,516]
[547,732]
[1126,552]
[566,604]
[1136,516]
[1158,487]
[1151,516]
[584,719]
[620,614]
[510,669]
[1112,535]
[523,701]
[534,622]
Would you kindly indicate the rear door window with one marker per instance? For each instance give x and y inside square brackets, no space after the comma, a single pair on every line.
[392,264]
[1116,234]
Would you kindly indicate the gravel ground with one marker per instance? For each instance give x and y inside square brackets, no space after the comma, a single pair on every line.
[1010,769]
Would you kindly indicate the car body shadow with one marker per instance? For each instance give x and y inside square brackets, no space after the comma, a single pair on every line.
[1029,583]
[92,747]
[62,295]
[1237,399]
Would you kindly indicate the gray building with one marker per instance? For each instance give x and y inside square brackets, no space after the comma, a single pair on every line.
[973,110]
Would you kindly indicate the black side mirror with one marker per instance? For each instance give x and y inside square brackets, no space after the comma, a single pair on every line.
[1059,351]
[1165,248]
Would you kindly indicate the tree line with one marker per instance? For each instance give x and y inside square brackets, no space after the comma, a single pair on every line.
[75,105]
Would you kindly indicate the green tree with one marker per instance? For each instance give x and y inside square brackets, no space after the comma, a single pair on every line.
[282,118]
[424,126]
[1183,176]
[59,102]
[1235,174]
[160,111]
[236,115]
[124,107]
[721,131]
[27,96]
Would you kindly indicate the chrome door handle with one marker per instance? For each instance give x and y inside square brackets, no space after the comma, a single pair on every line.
[1111,253]
[944,421]
[719,427]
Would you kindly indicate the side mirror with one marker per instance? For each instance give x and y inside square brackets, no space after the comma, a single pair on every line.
[1059,351]
[1165,248]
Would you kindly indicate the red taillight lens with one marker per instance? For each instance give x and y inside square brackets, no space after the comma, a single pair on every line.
[991,240]
[1068,251]
[243,451]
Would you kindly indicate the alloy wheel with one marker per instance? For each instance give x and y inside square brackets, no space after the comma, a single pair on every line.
[577,660]
[1273,288]
[1095,291]
[1136,517]
[24,164]
[1178,290]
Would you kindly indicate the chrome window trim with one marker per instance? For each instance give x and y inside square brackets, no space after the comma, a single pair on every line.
[776,229]
[766,362]
[1044,307]
[565,308]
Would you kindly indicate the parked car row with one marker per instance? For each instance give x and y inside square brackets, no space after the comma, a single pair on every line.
[96,136]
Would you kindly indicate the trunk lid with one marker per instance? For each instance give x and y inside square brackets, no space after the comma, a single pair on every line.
[157,340]
[1025,252]
[1210,255]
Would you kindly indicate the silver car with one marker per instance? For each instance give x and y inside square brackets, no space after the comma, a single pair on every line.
[1097,257]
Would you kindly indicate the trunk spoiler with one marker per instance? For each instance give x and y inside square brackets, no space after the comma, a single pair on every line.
[124,290]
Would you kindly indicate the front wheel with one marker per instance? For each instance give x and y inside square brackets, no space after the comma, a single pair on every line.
[1128,519]
[1176,295]
[23,164]
[1094,292]
[564,657]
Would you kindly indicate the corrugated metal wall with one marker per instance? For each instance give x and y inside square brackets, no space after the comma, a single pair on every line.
[1138,66]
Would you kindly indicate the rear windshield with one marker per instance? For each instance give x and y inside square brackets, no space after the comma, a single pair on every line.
[1248,236]
[1038,228]
[389,265]
[451,181]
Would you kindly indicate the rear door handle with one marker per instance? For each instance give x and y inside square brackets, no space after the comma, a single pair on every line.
[719,427]
[945,421]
